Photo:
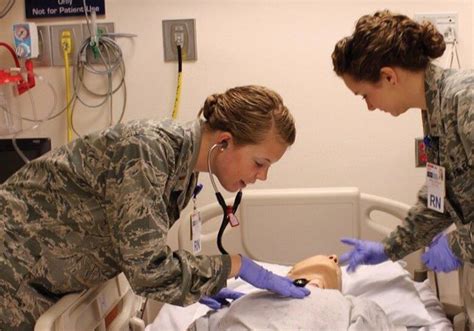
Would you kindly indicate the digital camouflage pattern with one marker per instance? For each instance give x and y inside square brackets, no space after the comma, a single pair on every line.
[449,121]
[98,206]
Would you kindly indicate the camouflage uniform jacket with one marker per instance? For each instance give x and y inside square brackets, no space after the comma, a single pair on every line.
[449,122]
[101,205]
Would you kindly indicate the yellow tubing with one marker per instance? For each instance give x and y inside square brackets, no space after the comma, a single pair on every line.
[177,98]
[66,42]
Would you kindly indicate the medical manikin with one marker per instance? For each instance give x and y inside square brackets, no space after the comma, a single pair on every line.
[325,309]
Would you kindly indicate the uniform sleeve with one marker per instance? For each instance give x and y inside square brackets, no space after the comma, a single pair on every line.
[422,224]
[461,240]
[461,244]
[139,172]
[419,228]
[463,102]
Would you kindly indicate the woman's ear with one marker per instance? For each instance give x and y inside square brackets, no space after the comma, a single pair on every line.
[389,75]
[224,138]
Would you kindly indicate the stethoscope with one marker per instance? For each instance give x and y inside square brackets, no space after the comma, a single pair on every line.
[228,211]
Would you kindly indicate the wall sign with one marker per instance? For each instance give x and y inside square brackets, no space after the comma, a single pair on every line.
[62,8]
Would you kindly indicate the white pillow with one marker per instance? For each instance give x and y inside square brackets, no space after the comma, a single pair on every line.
[389,285]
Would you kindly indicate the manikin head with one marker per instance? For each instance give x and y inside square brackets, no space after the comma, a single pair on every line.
[321,271]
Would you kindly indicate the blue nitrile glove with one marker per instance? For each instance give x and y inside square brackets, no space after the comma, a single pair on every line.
[220,299]
[364,252]
[439,256]
[260,277]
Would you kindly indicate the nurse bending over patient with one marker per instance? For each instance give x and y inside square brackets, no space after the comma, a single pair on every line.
[104,203]
[387,61]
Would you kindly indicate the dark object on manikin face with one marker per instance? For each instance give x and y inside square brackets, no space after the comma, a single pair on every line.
[300,282]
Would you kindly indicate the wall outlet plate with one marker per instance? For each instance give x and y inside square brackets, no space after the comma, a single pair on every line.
[45,57]
[103,28]
[445,23]
[179,31]
[56,47]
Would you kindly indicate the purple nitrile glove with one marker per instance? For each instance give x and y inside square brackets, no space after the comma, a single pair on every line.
[364,252]
[439,256]
[260,277]
[220,299]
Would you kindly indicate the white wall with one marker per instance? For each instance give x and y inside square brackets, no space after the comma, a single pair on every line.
[285,45]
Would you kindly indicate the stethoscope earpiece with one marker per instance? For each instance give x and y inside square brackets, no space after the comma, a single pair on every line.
[223,145]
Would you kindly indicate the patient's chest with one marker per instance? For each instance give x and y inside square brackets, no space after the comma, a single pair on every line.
[322,310]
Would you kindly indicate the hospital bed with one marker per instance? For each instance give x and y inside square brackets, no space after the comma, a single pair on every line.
[277,227]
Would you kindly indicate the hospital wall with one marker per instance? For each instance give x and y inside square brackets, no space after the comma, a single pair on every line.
[285,45]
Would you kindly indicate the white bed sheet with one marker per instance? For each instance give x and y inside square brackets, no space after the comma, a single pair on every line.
[413,305]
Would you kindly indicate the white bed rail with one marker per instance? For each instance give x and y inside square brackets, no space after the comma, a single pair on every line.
[370,203]
[284,225]
[374,227]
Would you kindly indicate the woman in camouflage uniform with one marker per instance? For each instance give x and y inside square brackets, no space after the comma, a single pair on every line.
[387,61]
[104,203]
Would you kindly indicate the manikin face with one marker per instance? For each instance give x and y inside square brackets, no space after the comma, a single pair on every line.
[237,166]
[383,95]
[320,270]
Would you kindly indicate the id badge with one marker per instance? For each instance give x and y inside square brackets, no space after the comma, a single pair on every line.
[196,231]
[233,220]
[435,182]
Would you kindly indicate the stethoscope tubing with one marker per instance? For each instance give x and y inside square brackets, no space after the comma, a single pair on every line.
[221,200]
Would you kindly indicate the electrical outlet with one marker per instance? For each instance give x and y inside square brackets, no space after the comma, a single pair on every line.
[102,28]
[445,23]
[56,46]
[44,58]
[181,32]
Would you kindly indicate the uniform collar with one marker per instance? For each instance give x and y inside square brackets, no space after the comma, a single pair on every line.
[196,132]
[432,117]
[191,145]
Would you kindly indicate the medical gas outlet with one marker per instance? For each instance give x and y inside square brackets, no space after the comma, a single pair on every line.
[25,37]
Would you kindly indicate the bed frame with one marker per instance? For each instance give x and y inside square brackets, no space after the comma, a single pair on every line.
[271,222]
[109,306]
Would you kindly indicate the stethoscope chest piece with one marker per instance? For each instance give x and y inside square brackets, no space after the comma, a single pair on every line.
[300,282]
